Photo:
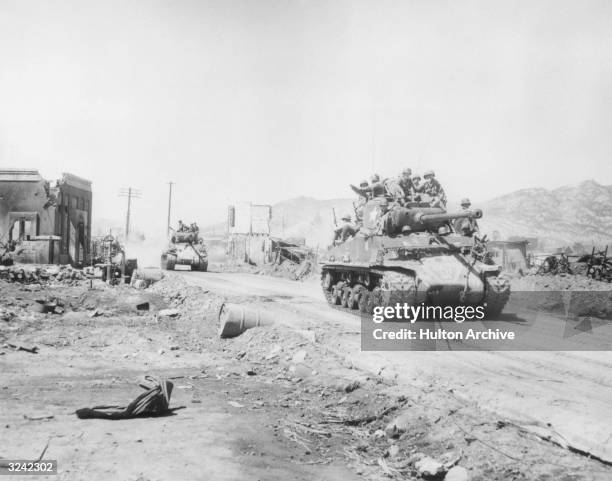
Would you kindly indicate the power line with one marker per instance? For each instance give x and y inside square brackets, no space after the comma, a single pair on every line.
[130,193]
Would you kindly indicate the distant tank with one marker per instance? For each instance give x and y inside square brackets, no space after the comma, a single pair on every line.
[185,248]
[412,254]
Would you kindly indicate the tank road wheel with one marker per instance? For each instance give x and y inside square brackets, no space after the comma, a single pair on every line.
[496,295]
[376,299]
[337,293]
[356,294]
[200,267]
[346,296]
[326,280]
[170,263]
[364,300]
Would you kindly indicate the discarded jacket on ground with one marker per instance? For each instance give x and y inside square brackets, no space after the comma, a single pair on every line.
[154,401]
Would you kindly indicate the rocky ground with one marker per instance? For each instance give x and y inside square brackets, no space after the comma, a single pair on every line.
[274,403]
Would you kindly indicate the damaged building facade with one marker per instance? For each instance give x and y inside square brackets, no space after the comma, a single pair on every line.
[45,222]
[248,228]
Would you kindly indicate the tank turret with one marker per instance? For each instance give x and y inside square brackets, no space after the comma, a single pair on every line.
[420,219]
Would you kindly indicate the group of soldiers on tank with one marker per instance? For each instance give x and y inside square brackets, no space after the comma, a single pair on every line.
[404,189]
[182,227]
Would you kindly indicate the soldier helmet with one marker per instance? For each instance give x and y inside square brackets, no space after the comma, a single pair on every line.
[416,176]
[429,173]
[375,178]
[363,184]
[466,202]
[407,172]
[346,217]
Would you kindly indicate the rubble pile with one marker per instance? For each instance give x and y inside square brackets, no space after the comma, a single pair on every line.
[561,282]
[197,308]
[563,294]
[330,411]
[287,269]
[29,274]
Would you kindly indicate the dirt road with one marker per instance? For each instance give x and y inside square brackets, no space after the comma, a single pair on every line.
[566,396]
[235,412]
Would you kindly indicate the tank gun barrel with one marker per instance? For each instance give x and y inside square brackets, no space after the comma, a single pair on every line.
[446,216]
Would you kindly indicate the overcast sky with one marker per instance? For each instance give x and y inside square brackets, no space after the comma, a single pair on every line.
[268,100]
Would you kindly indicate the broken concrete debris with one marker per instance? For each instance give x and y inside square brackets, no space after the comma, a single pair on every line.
[399,425]
[51,305]
[429,468]
[143,306]
[457,473]
[40,274]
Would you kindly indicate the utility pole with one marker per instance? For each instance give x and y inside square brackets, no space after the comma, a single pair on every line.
[170,184]
[283,223]
[129,193]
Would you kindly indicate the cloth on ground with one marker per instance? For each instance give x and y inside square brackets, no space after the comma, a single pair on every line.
[154,401]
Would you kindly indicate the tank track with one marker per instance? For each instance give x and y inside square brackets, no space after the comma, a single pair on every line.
[390,288]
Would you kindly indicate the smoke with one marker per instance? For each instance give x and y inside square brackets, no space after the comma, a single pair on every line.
[147,252]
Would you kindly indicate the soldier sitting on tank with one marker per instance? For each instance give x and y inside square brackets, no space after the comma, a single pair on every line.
[407,185]
[361,202]
[344,231]
[469,226]
[433,189]
[376,187]
[194,228]
[181,227]
[394,190]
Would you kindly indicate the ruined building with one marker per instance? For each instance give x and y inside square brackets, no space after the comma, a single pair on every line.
[42,221]
[248,228]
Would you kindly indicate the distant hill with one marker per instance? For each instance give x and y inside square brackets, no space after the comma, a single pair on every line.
[309,218]
[559,217]
[579,213]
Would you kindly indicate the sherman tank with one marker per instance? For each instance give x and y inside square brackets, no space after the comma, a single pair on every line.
[185,248]
[413,253]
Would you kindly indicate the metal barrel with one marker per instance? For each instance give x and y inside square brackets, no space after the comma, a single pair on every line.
[446,216]
[235,319]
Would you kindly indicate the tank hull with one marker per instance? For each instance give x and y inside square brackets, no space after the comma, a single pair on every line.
[182,254]
[415,268]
